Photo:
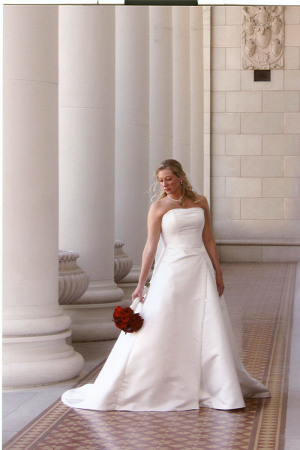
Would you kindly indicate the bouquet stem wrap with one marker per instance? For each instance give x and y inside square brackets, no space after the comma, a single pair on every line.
[134,304]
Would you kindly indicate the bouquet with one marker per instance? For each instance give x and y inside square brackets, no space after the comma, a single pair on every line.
[126,319]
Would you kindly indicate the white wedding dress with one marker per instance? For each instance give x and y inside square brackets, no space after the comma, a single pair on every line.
[184,356]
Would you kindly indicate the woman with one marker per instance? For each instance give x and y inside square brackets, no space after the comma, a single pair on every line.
[184,356]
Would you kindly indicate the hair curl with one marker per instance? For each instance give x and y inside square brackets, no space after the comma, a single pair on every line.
[176,168]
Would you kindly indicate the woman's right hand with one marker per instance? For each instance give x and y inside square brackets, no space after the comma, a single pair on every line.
[220,283]
[138,292]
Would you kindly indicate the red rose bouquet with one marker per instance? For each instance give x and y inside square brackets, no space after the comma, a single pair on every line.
[126,319]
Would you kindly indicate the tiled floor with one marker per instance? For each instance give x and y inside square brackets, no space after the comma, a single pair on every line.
[21,406]
[292,433]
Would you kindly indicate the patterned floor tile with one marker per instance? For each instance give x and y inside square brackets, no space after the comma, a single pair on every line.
[260,301]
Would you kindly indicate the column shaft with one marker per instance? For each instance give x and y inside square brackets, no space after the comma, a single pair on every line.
[197,99]
[181,85]
[161,86]
[34,326]
[87,139]
[132,131]
[206,13]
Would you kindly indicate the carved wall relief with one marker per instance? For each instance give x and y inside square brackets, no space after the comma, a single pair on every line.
[262,37]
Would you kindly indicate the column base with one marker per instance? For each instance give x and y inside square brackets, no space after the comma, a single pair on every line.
[133,276]
[93,322]
[38,360]
[91,315]
[129,283]
[100,292]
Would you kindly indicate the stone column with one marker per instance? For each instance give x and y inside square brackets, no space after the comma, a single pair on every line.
[197,99]
[160,85]
[87,130]
[181,85]
[132,133]
[87,96]
[34,326]
[206,12]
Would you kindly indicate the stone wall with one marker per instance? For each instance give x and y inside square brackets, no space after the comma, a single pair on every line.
[255,146]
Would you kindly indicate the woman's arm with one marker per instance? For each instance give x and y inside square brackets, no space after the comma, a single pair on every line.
[211,248]
[154,228]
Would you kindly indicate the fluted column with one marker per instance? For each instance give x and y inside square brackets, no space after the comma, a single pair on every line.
[181,85]
[206,12]
[197,99]
[132,131]
[34,326]
[160,85]
[87,130]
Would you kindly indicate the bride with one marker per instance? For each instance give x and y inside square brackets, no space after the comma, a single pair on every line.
[184,357]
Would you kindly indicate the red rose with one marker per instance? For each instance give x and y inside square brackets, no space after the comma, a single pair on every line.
[127,320]
[135,323]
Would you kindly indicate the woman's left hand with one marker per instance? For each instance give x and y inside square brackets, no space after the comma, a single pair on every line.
[220,283]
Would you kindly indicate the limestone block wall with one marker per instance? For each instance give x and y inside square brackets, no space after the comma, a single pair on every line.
[255,146]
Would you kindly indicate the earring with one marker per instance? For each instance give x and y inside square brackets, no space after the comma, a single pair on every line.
[181,182]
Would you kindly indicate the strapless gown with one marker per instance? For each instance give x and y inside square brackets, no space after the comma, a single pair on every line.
[184,357]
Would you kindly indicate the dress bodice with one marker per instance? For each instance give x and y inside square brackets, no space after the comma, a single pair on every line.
[182,227]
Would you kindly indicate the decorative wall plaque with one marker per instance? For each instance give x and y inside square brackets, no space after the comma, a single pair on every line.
[262,37]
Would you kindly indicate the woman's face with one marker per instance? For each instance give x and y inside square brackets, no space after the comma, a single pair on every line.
[169,182]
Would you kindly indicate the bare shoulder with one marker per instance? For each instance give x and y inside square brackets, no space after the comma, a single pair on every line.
[158,209]
[202,201]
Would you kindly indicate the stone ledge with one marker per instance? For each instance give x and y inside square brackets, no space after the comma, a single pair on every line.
[243,251]
[275,242]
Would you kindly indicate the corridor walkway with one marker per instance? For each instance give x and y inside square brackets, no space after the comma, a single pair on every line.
[260,302]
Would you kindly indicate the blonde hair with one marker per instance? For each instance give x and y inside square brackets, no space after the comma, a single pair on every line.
[176,168]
